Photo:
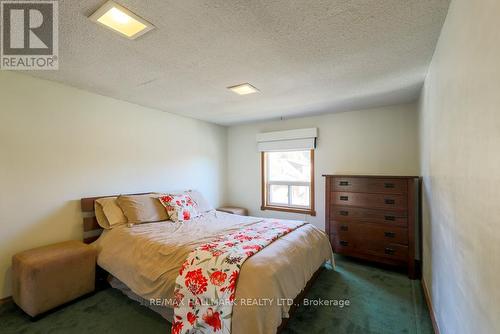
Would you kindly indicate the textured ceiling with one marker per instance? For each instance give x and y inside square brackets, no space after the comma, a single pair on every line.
[306,56]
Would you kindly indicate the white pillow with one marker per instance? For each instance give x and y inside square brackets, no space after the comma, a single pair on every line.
[179,207]
[203,205]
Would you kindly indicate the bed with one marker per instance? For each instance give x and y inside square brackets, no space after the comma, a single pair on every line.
[144,261]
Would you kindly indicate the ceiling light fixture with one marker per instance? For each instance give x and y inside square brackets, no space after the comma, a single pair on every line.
[243,89]
[121,20]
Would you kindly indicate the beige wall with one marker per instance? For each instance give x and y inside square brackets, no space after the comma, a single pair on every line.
[460,157]
[58,144]
[376,141]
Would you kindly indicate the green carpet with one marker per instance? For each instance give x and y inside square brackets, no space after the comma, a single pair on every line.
[380,302]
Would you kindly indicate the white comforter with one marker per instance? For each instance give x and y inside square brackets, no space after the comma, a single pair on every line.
[147,259]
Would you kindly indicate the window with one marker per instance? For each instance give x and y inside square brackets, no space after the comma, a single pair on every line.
[288,181]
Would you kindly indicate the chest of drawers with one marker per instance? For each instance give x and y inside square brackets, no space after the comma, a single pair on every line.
[375,218]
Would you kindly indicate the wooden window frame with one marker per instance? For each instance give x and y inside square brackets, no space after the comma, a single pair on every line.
[266,206]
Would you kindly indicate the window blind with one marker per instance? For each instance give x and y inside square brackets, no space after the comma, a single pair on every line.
[290,140]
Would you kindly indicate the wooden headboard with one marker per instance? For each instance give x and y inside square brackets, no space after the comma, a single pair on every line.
[91,229]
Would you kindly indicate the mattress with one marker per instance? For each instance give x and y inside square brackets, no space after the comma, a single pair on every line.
[147,258]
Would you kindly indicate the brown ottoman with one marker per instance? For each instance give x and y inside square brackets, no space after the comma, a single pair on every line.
[46,277]
[234,210]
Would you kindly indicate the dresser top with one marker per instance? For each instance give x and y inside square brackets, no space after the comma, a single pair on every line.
[373,176]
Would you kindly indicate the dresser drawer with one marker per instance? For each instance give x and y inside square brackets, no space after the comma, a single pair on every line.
[362,233]
[370,185]
[382,201]
[387,250]
[346,243]
[353,214]
[343,229]
[343,244]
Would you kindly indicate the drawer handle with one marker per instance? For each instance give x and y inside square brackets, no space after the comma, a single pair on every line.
[343,183]
[344,198]
[389,251]
[344,228]
[344,243]
[389,185]
[389,201]
[389,234]
[344,213]
[392,218]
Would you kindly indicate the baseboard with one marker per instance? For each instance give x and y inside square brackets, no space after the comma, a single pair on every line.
[428,300]
[5,300]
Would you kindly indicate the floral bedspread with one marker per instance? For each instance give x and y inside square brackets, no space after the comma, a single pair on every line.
[205,288]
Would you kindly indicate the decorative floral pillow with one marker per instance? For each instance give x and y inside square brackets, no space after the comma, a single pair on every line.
[180,207]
